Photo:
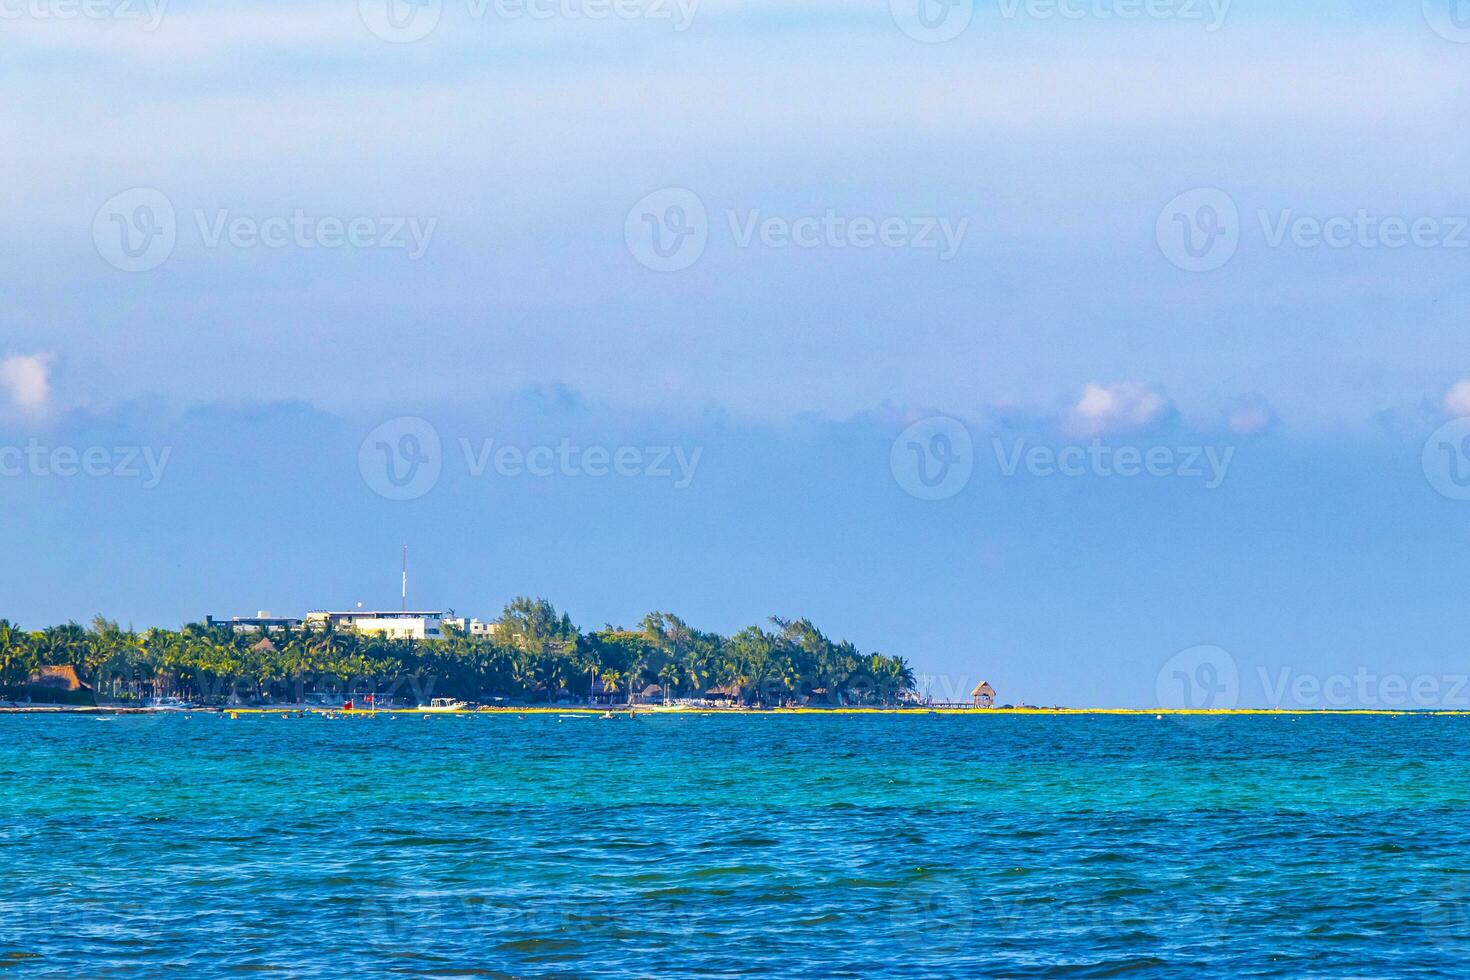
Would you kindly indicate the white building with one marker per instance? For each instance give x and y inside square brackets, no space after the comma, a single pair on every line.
[394,625]
[255,624]
[473,627]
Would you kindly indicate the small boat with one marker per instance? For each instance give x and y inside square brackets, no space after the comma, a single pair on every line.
[447,704]
[168,704]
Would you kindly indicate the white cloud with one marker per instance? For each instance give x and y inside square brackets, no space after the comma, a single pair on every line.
[1124,407]
[26,380]
[1250,415]
[1457,400]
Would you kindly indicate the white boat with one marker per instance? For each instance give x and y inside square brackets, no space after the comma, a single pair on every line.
[447,704]
[168,704]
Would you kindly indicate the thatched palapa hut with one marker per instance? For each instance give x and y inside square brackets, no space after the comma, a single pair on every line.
[984,695]
[59,685]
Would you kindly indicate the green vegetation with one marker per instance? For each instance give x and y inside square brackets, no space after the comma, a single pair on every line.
[537,654]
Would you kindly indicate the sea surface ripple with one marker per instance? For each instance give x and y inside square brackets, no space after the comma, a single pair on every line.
[683,845]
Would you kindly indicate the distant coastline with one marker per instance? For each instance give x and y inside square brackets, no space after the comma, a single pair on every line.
[645,711]
[532,654]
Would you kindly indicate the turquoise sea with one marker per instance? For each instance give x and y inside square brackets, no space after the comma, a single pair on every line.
[916,845]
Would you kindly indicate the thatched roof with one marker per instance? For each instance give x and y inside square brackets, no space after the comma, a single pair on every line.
[724,691]
[984,688]
[652,690]
[58,679]
[265,644]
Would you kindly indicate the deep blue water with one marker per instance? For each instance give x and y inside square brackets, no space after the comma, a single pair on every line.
[690,845]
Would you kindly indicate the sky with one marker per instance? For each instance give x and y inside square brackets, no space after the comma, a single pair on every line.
[1111,351]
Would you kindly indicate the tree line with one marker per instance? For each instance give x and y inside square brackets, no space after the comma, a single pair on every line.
[536,654]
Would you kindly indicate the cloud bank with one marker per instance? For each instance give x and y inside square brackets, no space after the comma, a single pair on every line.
[25,380]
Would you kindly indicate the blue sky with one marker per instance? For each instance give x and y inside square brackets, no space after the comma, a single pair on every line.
[520,150]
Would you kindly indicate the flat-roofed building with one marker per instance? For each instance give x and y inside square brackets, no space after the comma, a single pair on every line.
[473,627]
[398,625]
[260,622]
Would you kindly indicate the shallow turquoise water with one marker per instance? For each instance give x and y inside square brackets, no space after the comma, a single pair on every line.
[684,845]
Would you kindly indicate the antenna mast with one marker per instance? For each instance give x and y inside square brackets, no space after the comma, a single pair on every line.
[405,578]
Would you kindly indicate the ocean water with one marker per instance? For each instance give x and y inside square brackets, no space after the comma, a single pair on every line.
[912,845]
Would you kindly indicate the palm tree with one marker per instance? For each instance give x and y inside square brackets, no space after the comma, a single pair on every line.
[668,678]
[13,650]
[611,678]
[539,650]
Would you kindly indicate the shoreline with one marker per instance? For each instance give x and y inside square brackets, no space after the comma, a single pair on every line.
[59,709]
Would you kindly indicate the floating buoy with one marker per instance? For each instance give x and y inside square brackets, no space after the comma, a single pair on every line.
[234,716]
